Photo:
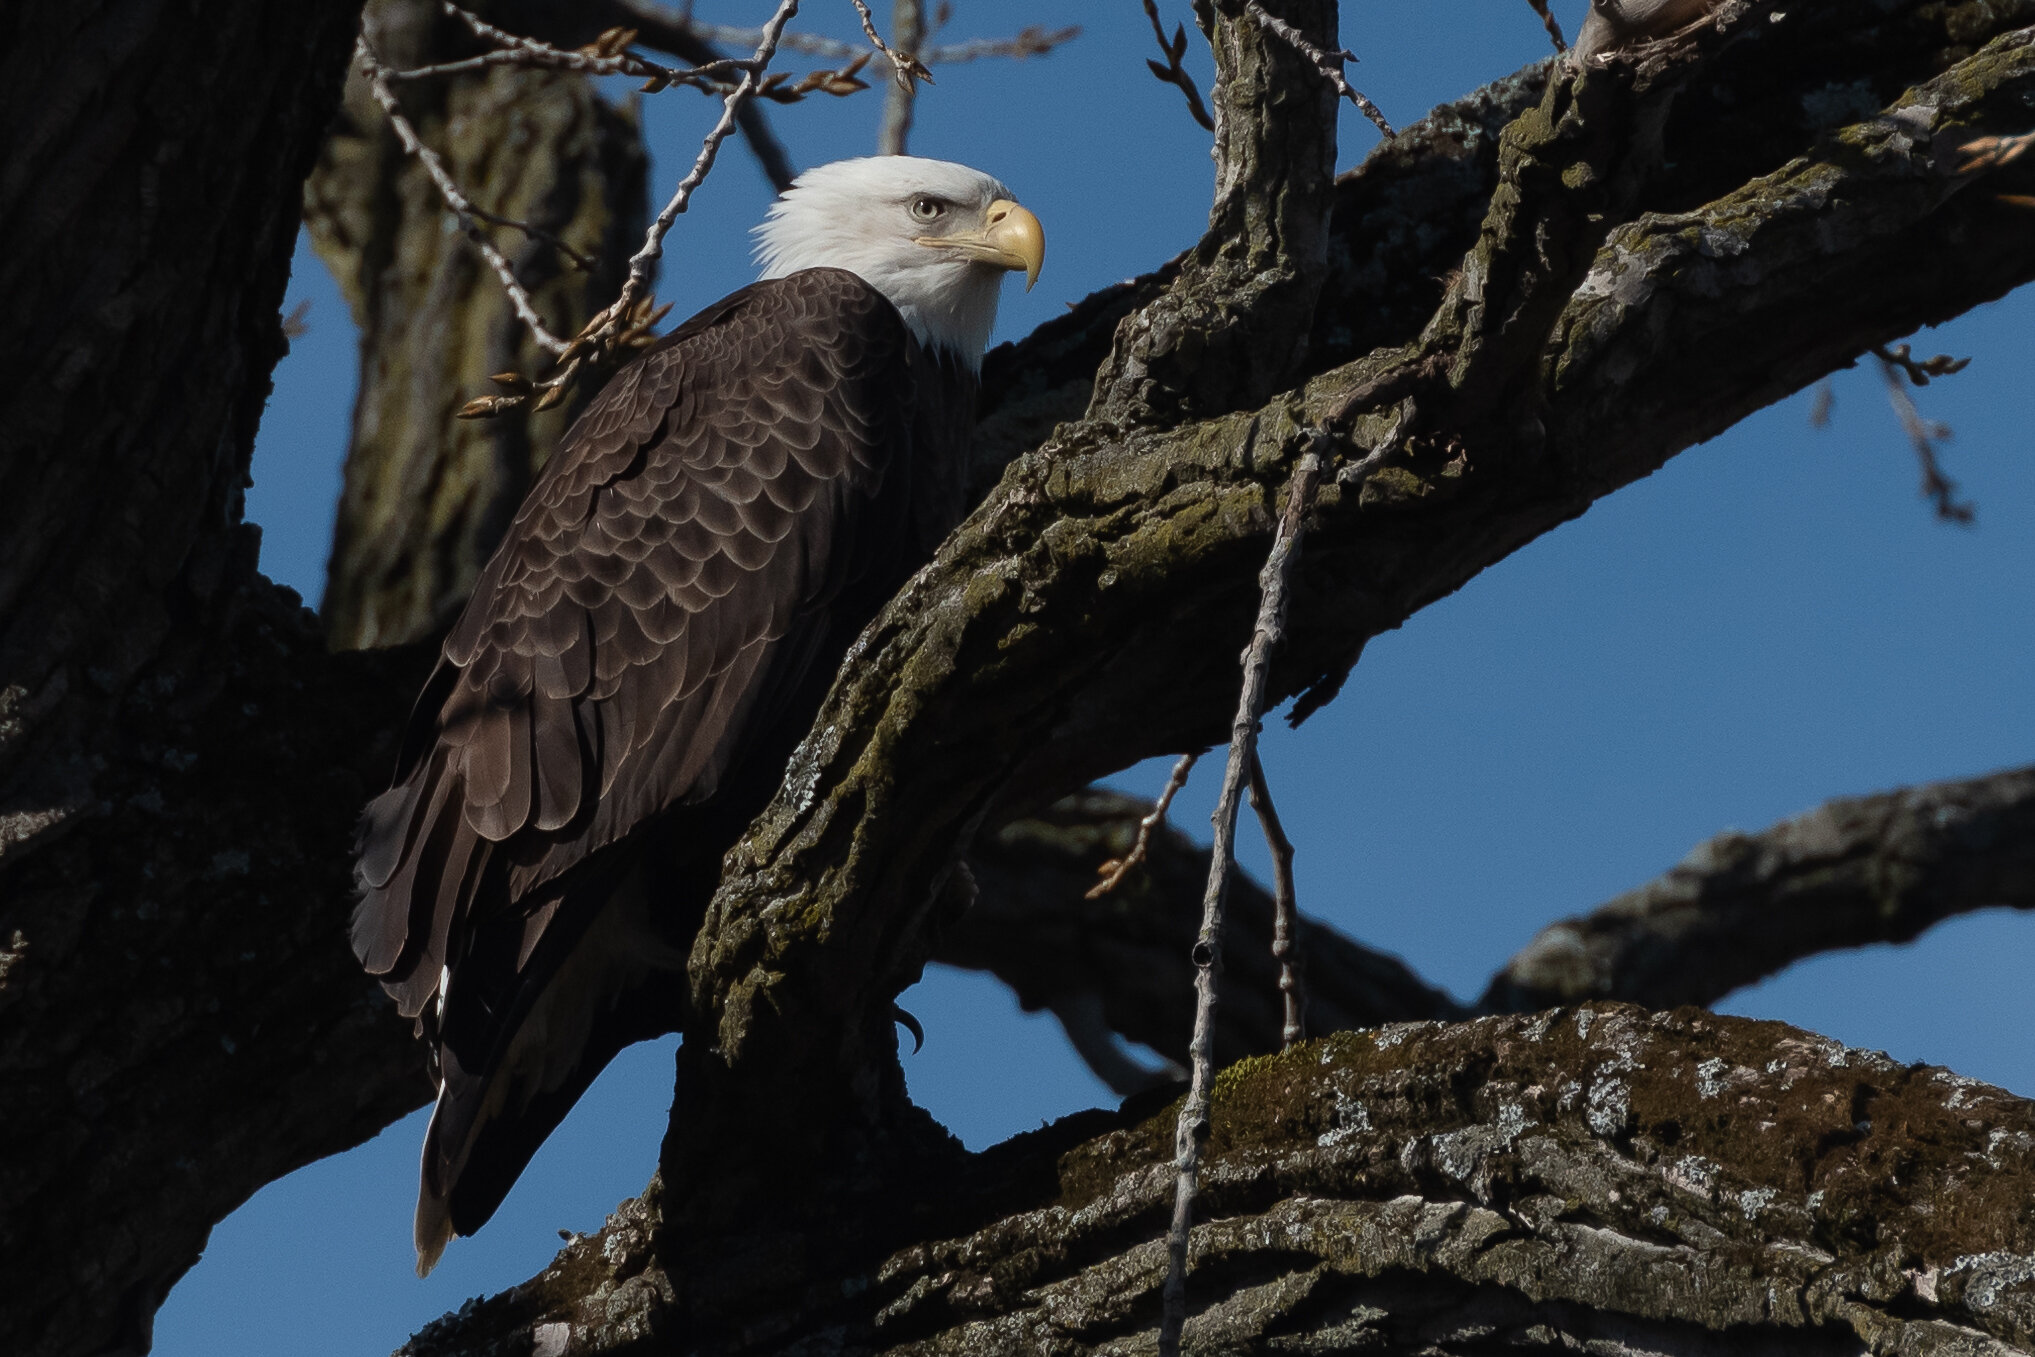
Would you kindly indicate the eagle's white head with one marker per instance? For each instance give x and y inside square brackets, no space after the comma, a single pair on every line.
[934,237]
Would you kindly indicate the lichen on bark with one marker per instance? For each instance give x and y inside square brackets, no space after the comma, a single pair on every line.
[1592,1177]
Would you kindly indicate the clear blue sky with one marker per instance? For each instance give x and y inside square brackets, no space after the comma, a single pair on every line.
[1771,620]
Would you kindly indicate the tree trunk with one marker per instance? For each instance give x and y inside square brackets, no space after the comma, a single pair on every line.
[177,757]
[428,495]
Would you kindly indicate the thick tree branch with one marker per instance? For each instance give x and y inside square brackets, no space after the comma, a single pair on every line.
[1850,873]
[1742,907]
[832,897]
[1595,1179]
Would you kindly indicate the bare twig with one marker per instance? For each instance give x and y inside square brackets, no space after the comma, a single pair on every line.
[904,67]
[1285,910]
[1274,582]
[907,30]
[665,28]
[1031,41]
[469,222]
[1923,433]
[608,327]
[1920,370]
[1554,29]
[1820,406]
[608,55]
[1330,64]
[584,263]
[1173,73]
[1116,869]
[1992,153]
[626,322]
[605,56]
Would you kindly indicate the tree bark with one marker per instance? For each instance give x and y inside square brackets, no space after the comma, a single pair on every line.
[831,899]
[168,961]
[1232,325]
[428,495]
[1508,324]
[1589,1179]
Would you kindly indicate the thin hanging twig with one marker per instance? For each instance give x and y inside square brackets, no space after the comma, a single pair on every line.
[1114,871]
[378,84]
[1285,910]
[907,31]
[1554,29]
[1274,582]
[1031,41]
[1924,433]
[1330,64]
[608,324]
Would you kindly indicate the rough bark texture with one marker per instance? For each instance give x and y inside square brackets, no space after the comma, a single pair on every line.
[170,941]
[1232,326]
[428,495]
[1549,375]
[1508,326]
[831,899]
[1598,1179]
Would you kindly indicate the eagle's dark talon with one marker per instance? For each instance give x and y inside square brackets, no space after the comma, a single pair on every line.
[911,1025]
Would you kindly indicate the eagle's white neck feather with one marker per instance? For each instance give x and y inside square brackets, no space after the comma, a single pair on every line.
[857,215]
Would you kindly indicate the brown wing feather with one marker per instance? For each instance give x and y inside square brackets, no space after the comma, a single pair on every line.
[679,532]
[666,592]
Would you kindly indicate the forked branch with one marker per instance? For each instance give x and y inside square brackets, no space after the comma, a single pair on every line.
[1275,585]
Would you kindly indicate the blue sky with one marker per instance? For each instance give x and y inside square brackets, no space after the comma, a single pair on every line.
[1771,620]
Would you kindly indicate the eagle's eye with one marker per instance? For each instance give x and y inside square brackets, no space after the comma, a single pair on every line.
[928,209]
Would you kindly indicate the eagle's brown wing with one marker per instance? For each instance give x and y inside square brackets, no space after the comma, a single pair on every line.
[667,592]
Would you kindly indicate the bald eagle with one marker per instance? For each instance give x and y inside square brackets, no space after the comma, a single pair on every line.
[652,639]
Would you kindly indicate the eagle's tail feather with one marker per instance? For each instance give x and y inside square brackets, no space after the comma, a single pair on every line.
[598,994]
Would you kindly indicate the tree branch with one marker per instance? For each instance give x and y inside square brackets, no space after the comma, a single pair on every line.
[907,32]
[1590,1179]
[1123,958]
[831,899]
[1228,331]
[176,752]
[1742,907]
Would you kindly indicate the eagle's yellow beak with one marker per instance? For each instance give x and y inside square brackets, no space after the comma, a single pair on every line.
[1010,238]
